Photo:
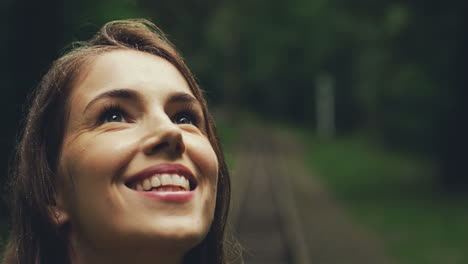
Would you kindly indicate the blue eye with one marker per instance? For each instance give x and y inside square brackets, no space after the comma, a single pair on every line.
[112,113]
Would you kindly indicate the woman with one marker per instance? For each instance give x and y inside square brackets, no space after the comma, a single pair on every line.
[119,161]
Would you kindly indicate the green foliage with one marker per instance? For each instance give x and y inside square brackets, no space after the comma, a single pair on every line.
[398,67]
[84,18]
[392,194]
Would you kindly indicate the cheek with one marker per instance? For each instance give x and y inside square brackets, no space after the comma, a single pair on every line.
[91,161]
[206,161]
[204,157]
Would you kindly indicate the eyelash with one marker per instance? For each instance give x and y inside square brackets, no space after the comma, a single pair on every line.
[190,111]
[187,110]
[109,109]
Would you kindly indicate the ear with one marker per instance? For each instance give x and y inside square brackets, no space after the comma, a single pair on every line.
[58,212]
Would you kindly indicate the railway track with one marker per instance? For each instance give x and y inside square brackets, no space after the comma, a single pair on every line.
[274,196]
[264,215]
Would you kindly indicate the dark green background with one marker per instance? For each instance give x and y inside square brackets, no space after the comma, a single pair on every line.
[399,67]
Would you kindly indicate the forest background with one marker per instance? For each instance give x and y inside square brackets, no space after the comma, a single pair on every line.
[397,69]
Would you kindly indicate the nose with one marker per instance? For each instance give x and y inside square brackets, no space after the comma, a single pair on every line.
[166,139]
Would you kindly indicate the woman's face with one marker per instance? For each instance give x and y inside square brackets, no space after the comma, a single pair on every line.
[136,167]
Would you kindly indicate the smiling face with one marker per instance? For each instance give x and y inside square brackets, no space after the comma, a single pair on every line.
[134,121]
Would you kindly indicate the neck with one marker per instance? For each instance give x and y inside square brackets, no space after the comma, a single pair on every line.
[85,253]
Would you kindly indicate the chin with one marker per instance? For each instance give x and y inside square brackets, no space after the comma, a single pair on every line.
[184,230]
[176,232]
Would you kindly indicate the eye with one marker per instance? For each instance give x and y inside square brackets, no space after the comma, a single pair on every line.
[183,118]
[113,113]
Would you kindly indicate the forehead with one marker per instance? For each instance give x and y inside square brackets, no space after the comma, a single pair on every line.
[128,69]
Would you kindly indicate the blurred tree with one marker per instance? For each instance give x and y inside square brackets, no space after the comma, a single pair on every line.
[391,61]
[454,143]
[32,31]
[398,66]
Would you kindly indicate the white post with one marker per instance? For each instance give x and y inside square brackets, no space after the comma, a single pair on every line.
[325,106]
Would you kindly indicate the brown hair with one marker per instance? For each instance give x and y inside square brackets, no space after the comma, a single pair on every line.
[34,238]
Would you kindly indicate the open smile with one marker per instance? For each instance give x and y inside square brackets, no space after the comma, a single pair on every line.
[163,182]
[163,179]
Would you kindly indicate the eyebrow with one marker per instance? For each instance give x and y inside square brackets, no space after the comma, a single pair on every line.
[182,98]
[117,93]
[130,94]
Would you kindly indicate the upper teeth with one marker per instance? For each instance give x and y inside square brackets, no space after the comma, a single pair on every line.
[163,180]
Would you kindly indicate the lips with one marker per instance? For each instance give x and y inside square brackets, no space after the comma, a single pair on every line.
[165,177]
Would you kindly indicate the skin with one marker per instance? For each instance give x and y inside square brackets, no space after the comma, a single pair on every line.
[109,222]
